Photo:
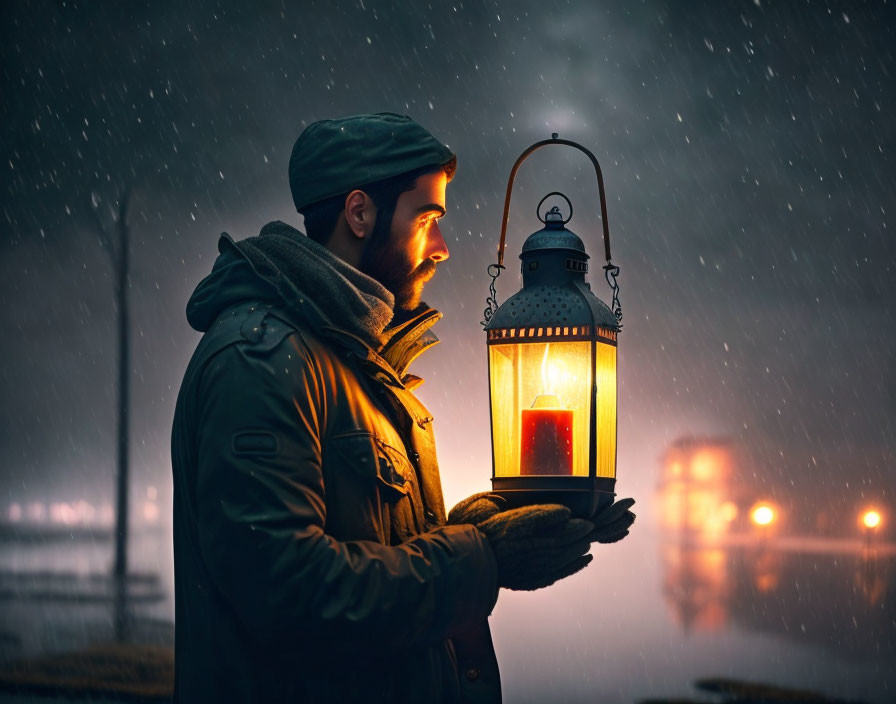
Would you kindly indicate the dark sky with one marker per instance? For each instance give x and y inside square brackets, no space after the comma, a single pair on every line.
[747,153]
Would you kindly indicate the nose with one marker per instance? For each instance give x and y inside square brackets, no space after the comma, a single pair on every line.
[437,249]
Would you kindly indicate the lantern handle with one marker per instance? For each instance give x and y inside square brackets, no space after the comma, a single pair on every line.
[555,139]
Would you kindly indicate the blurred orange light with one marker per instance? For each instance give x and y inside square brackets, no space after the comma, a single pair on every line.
[871,519]
[729,511]
[762,515]
[703,467]
[150,512]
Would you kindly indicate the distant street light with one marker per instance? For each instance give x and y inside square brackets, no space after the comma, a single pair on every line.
[763,515]
[870,520]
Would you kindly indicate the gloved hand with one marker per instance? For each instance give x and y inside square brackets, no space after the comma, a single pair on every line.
[612,523]
[476,508]
[534,546]
[538,545]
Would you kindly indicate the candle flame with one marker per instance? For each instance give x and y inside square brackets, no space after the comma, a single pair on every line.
[553,374]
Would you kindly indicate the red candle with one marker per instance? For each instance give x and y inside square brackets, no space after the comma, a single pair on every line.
[546,438]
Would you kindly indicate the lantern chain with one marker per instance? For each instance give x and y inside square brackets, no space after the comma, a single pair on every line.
[611,272]
[494,270]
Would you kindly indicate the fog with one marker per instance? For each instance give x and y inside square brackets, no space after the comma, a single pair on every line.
[746,150]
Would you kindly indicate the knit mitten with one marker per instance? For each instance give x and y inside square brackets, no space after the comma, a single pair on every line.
[612,523]
[536,546]
[476,508]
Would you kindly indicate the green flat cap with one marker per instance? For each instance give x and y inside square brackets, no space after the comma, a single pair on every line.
[332,157]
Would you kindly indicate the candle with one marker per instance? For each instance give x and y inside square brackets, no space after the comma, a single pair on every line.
[546,438]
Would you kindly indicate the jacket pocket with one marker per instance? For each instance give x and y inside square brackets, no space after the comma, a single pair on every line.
[369,489]
[369,458]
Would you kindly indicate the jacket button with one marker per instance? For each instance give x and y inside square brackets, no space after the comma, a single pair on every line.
[472,674]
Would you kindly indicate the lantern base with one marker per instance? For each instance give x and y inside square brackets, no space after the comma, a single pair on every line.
[583,496]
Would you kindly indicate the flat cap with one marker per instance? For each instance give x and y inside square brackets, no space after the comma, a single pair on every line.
[332,157]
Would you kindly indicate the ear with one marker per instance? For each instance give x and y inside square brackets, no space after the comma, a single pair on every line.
[360,214]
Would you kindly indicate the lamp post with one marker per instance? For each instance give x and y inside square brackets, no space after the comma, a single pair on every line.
[552,366]
[763,515]
[120,254]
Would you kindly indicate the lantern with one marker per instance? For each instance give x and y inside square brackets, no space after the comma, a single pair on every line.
[552,366]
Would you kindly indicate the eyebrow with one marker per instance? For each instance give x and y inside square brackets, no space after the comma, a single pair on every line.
[431,207]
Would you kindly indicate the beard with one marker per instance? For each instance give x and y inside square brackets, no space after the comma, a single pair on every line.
[400,277]
[394,270]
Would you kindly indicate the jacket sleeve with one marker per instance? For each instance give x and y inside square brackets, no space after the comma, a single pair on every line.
[261,513]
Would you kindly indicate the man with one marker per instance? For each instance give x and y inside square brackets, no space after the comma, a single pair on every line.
[313,561]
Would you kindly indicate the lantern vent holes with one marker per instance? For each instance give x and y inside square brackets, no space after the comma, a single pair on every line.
[553,330]
[546,305]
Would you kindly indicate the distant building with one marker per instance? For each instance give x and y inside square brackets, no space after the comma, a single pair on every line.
[701,489]
[710,489]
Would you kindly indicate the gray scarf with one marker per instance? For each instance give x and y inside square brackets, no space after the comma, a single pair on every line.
[352,301]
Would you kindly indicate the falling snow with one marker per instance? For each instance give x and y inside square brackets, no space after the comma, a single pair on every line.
[758,278]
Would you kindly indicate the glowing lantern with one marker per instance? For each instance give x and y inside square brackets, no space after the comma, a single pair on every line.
[552,366]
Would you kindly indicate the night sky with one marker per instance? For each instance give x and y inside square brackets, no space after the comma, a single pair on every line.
[747,154]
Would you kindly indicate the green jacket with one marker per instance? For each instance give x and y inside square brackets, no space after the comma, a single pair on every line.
[312,559]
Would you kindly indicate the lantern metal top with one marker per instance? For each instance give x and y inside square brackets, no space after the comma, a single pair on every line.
[554,263]
[562,306]
[553,238]
[554,293]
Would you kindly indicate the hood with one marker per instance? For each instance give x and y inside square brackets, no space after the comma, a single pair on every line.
[231,280]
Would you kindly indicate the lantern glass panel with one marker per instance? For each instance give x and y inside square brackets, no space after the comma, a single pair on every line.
[541,403]
[605,378]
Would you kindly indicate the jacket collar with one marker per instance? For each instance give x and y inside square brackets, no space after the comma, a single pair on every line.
[405,343]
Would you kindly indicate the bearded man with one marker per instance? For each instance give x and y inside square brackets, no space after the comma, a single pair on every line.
[314,561]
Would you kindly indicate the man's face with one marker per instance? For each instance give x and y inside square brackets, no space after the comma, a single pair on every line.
[407,259]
